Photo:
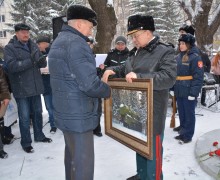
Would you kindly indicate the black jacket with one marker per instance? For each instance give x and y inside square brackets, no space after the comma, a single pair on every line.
[116,57]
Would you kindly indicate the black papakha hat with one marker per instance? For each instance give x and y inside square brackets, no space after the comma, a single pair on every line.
[140,22]
[187,29]
[121,39]
[43,39]
[21,26]
[81,12]
[187,38]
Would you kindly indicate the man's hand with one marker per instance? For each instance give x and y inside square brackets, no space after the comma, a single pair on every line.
[106,74]
[130,76]
[5,102]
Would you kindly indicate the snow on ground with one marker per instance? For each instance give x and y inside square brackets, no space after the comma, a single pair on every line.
[113,161]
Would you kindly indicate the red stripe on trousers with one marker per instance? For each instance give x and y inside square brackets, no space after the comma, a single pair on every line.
[158,158]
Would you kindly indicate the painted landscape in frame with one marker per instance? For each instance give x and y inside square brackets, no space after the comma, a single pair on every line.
[129,113]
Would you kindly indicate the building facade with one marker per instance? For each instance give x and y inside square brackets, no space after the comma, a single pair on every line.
[5,17]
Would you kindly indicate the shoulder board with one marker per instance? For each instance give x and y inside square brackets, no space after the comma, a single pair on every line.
[196,54]
[167,44]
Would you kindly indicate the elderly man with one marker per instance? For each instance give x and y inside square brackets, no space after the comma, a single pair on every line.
[152,59]
[76,89]
[24,60]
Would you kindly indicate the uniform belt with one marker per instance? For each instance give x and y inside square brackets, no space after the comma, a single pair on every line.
[181,78]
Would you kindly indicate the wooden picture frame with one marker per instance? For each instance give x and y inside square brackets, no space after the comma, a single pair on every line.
[129,114]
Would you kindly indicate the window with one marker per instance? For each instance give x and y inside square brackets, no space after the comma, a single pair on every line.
[2,34]
[2,18]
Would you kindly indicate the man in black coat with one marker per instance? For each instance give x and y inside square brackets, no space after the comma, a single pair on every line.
[118,55]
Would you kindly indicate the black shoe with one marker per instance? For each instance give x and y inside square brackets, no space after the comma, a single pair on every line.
[11,136]
[179,137]
[45,140]
[99,134]
[3,154]
[53,130]
[204,104]
[28,149]
[184,141]
[7,140]
[177,129]
[135,177]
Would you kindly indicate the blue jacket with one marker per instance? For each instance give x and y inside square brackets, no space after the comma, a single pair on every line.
[193,67]
[24,68]
[74,82]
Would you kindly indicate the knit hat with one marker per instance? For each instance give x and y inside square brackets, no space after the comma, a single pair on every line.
[187,29]
[43,39]
[21,26]
[140,22]
[120,39]
[187,38]
[81,12]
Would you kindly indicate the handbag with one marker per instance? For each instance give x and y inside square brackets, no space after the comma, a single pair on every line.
[11,114]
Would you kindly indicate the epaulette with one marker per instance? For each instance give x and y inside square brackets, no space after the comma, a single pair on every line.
[167,44]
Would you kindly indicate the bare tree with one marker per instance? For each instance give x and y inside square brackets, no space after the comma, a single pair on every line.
[205,18]
[106,28]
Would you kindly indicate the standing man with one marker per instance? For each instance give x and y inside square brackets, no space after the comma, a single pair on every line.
[118,55]
[43,43]
[153,59]
[76,89]
[24,60]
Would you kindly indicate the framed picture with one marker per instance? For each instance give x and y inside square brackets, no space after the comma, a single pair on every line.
[129,114]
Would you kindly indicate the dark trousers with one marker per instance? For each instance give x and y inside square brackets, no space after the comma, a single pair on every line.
[98,128]
[186,109]
[25,107]
[79,155]
[151,169]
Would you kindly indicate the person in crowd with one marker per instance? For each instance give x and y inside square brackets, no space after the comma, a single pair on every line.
[76,89]
[118,55]
[97,131]
[215,67]
[24,60]
[189,82]
[207,67]
[152,59]
[184,29]
[43,43]
[7,136]
[4,98]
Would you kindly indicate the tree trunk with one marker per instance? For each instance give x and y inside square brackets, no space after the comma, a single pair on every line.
[106,28]
[205,18]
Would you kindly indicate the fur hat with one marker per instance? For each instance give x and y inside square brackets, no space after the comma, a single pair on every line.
[187,29]
[21,26]
[81,12]
[187,38]
[121,39]
[140,22]
[43,39]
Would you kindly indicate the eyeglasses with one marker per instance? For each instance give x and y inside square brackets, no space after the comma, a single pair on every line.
[136,35]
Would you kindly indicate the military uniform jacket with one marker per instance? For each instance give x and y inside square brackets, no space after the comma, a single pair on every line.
[156,61]
[193,67]
[23,71]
